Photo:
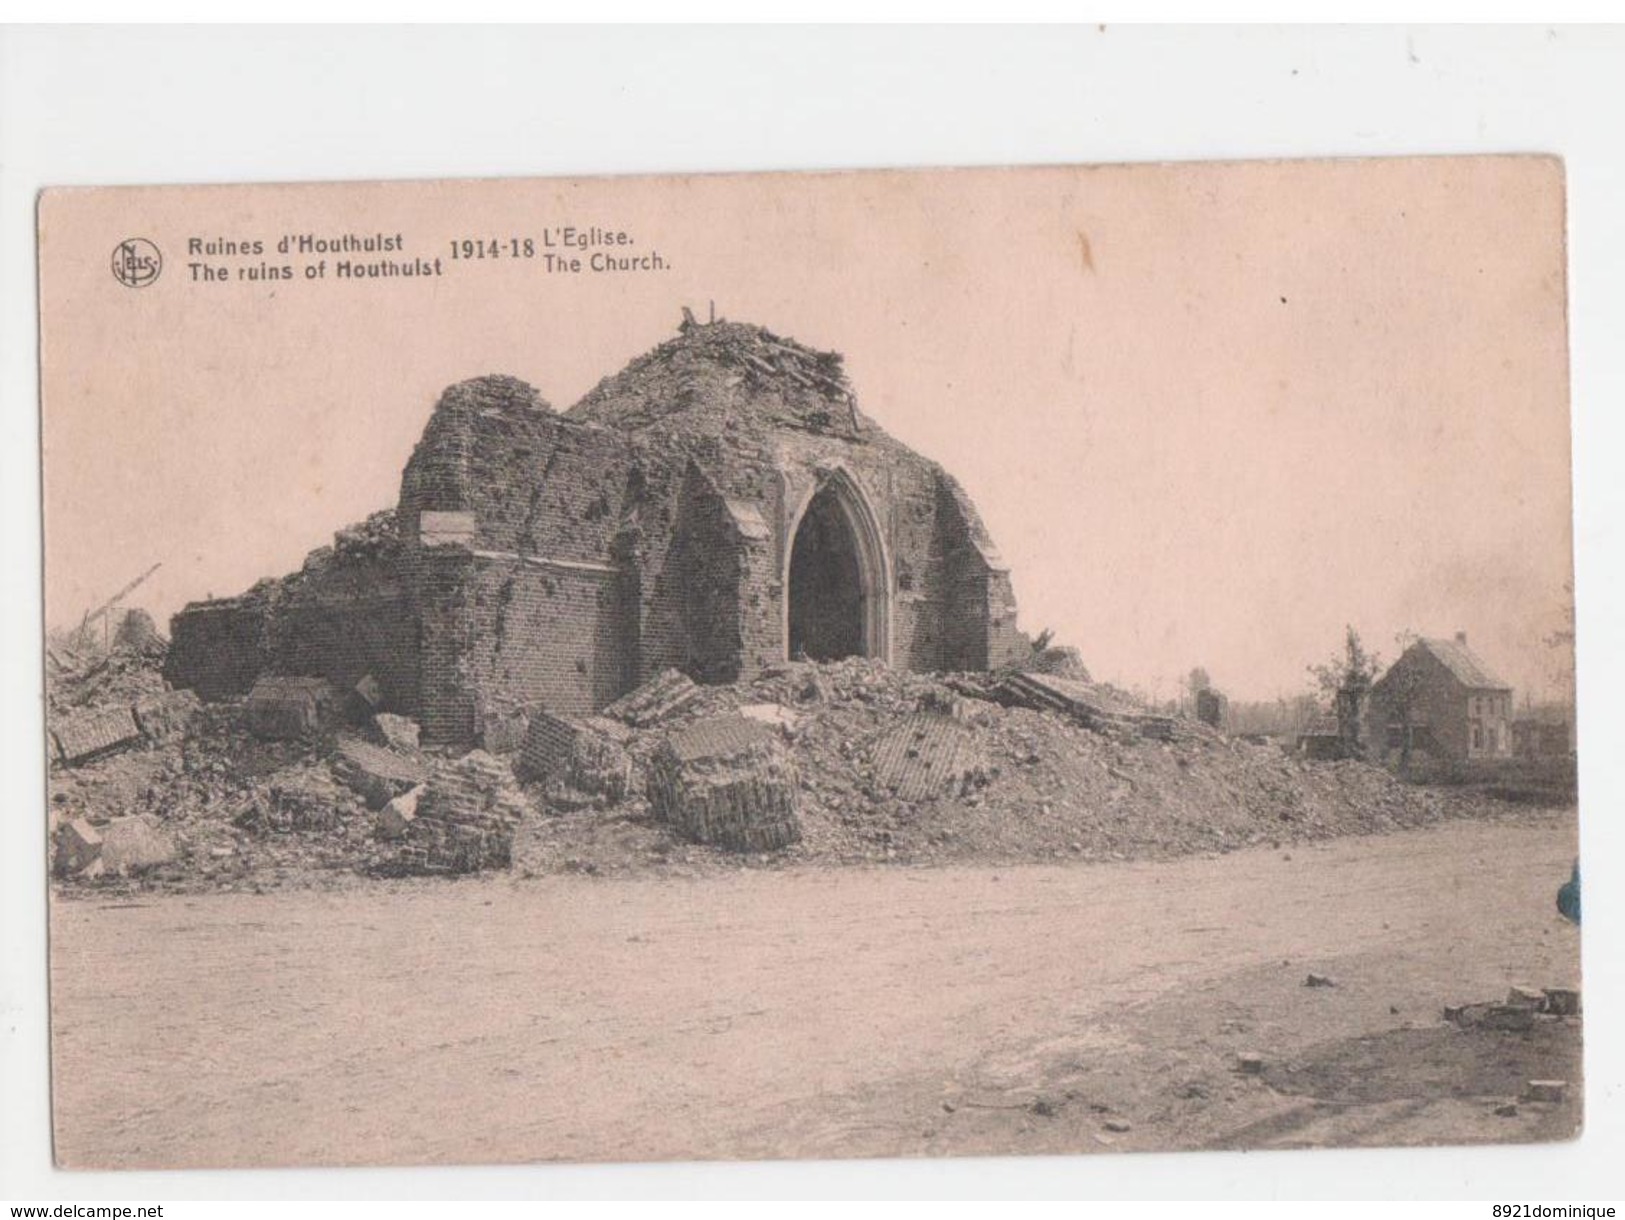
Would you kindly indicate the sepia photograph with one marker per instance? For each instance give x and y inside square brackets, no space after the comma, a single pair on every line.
[1044,660]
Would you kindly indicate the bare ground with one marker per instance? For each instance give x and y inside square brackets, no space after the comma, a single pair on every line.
[822,1012]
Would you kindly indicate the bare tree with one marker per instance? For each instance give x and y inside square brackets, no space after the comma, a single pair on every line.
[1345,682]
[1351,668]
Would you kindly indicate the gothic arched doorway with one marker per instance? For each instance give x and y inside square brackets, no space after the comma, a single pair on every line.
[837,588]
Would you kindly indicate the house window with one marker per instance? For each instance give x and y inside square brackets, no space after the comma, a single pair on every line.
[1478,737]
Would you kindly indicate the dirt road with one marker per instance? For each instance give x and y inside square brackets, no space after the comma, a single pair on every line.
[821,1012]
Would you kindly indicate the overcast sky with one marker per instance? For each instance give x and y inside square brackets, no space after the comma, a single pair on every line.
[1210,414]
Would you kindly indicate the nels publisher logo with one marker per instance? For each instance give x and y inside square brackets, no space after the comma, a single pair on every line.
[136,262]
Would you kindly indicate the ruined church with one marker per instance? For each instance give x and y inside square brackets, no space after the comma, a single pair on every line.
[719,506]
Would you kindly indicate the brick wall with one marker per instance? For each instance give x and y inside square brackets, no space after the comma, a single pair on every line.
[218,648]
[345,639]
[340,619]
[544,636]
[440,580]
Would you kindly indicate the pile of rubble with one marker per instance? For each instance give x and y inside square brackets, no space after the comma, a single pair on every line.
[1080,701]
[84,672]
[709,362]
[578,762]
[463,819]
[940,768]
[850,761]
[727,781]
[1520,1011]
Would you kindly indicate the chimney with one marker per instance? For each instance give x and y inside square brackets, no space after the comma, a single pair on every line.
[1461,638]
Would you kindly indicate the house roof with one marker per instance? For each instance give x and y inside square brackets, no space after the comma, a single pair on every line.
[1464,664]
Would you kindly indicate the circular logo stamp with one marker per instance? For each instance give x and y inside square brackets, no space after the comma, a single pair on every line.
[136,262]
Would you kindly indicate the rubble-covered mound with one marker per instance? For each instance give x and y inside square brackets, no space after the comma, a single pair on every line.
[712,370]
[919,768]
[82,672]
[847,762]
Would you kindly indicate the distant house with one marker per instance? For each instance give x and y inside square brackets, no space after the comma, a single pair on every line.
[1442,697]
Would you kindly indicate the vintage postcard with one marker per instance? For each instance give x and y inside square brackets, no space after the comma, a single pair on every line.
[880,664]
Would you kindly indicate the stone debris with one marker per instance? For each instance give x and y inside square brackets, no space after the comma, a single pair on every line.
[1545,1090]
[796,385]
[284,709]
[369,692]
[1507,1110]
[729,782]
[1320,980]
[578,761]
[774,715]
[465,818]
[377,774]
[396,817]
[90,735]
[1518,1013]
[1061,661]
[1084,703]
[504,731]
[886,766]
[1516,1018]
[396,732]
[927,756]
[1118,1125]
[78,844]
[1562,1001]
[1250,1064]
[943,700]
[661,697]
[133,844]
[303,798]
[168,716]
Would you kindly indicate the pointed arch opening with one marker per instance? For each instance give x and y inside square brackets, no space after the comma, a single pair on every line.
[837,577]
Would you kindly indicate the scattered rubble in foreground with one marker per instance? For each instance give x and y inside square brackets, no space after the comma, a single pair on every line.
[850,762]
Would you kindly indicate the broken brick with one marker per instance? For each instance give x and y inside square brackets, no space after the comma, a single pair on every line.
[663,695]
[396,732]
[134,844]
[585,757]
[89,735]
[396,817]
[465,818]
[167,716]
[774,715]
[1545,1090]
[375,773]
[1562,1001]
[728,782]
[929,755]
[283,709]
[77,844]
